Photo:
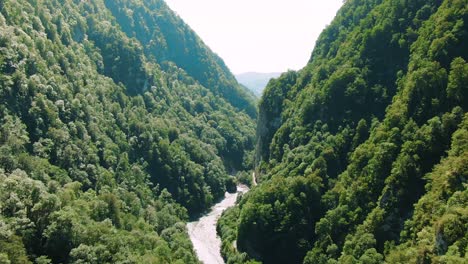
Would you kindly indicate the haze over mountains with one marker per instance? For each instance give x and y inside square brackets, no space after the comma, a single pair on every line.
[256,81]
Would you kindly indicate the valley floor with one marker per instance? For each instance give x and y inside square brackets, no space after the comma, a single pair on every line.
[203,231]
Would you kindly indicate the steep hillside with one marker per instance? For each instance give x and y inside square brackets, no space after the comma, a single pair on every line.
[117,123]
[362,155]
[166,37]
[256,81]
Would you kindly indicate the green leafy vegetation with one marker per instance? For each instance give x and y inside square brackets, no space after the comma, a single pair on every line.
[362,155]
[116,125]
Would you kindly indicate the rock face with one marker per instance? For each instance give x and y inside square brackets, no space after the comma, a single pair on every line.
[271,106]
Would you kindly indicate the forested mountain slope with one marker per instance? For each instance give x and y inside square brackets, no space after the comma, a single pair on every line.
[165,36]
[117,123]
[363,154]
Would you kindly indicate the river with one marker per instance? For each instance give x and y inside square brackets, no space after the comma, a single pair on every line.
[203,234]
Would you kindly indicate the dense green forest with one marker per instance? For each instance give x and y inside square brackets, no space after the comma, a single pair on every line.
[362,156]
[116,125]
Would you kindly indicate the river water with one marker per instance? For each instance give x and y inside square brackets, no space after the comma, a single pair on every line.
[203,234]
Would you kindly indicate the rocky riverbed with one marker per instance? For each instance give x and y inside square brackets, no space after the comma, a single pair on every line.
[203,234]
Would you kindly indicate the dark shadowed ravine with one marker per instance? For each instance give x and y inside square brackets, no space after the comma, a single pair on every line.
[203,234]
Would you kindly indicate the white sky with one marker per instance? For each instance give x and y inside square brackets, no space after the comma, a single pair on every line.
[258,35]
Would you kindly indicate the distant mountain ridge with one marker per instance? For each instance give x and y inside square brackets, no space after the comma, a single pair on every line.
[256,81]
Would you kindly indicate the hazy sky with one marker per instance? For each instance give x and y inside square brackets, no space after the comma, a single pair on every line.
[258,35]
